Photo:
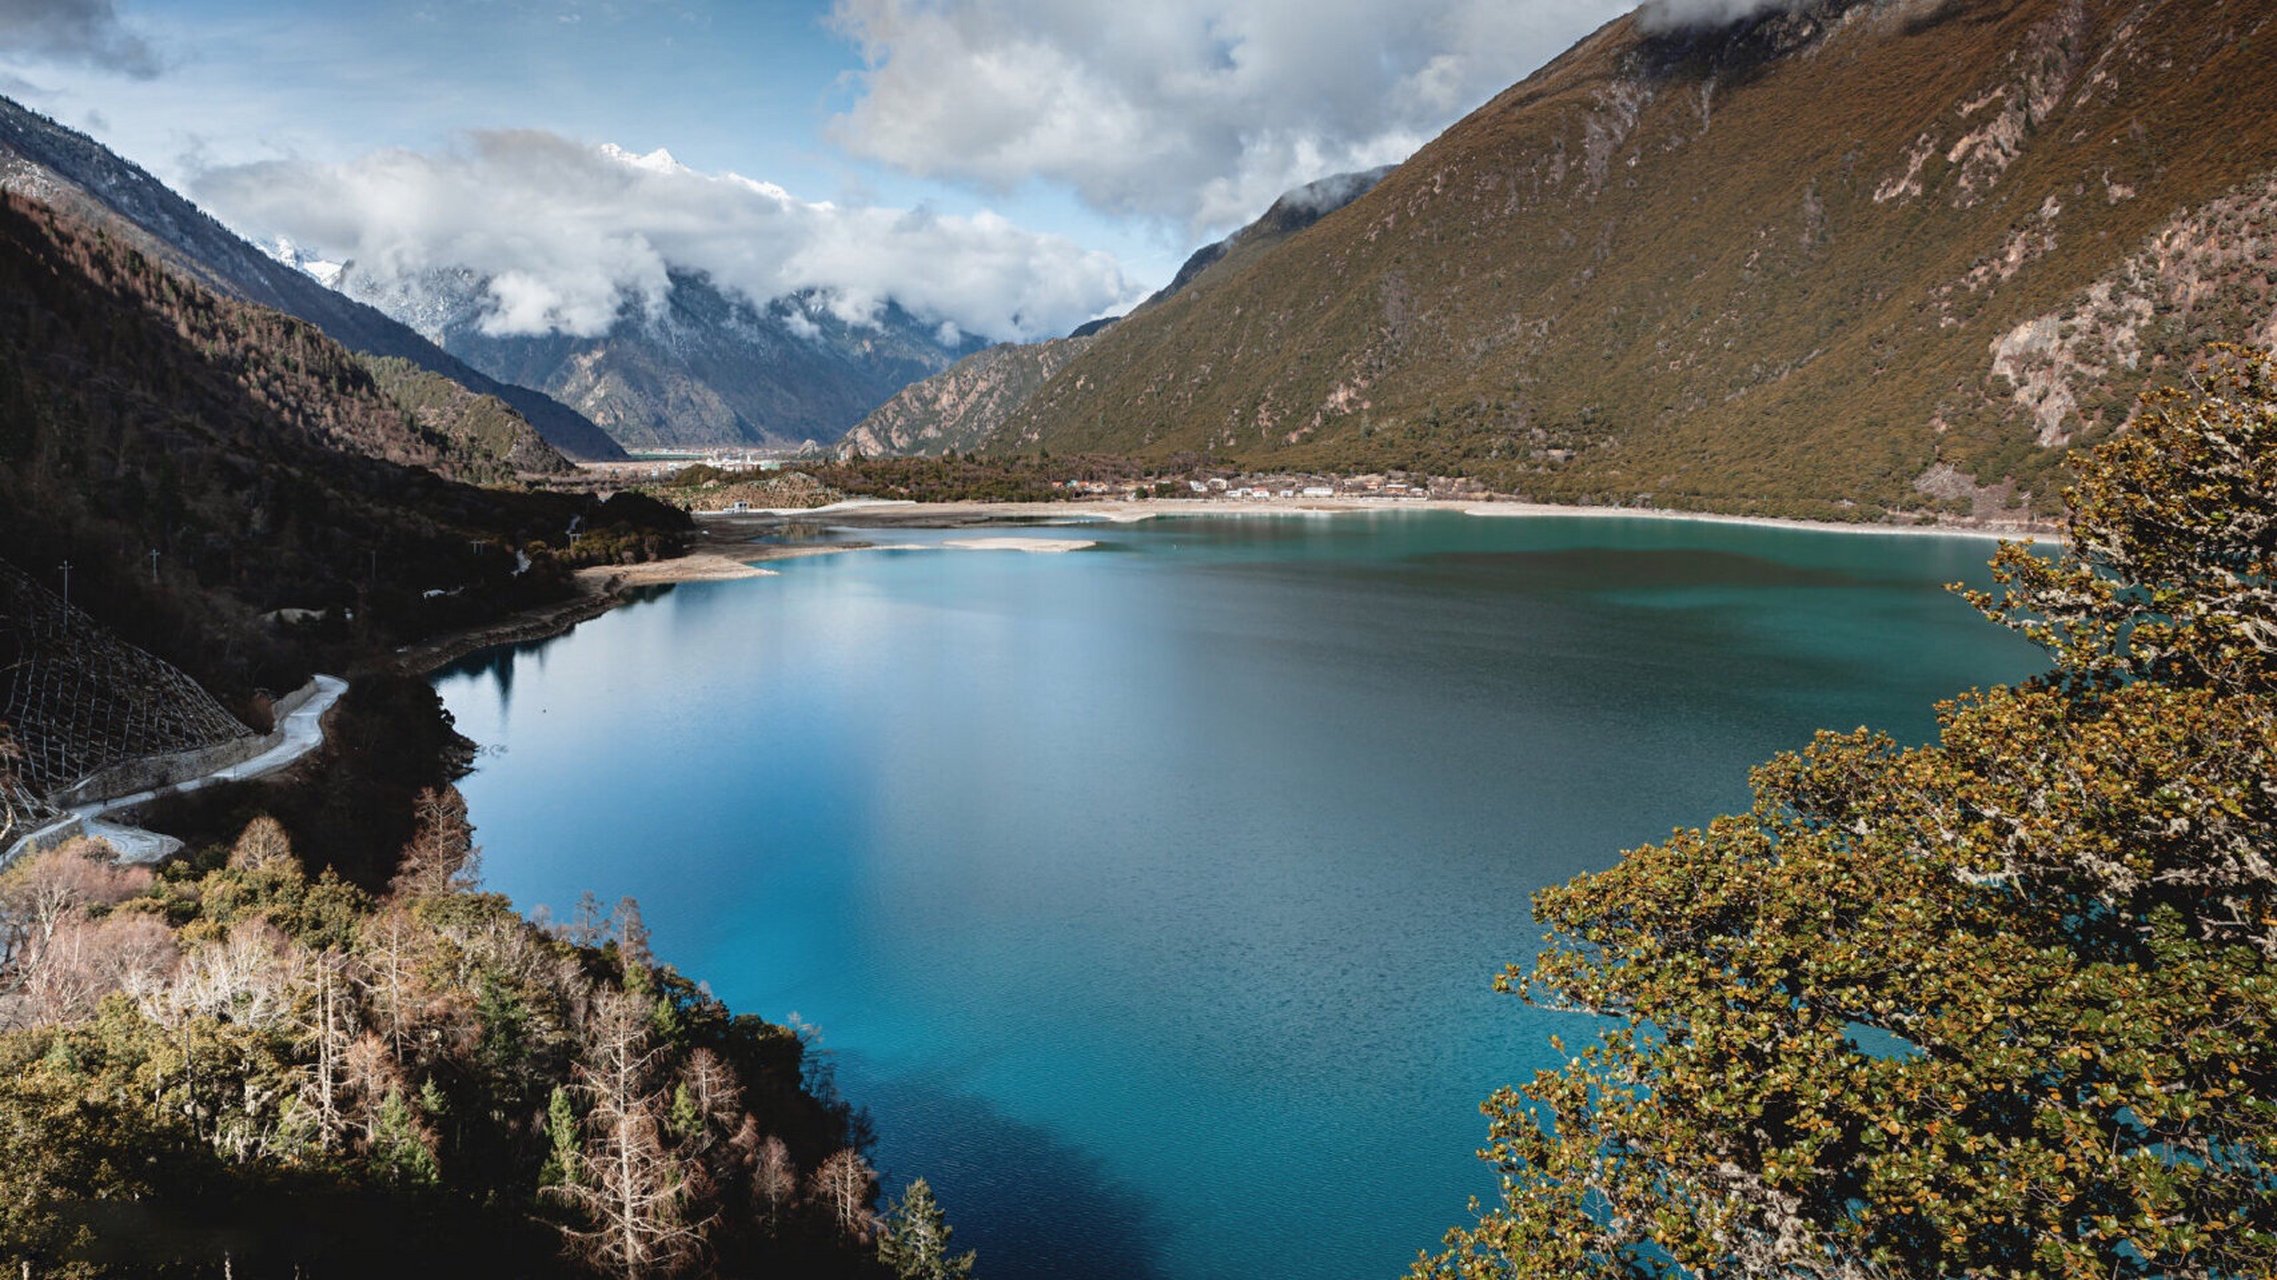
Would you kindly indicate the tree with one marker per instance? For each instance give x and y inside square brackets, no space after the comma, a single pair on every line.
[441,857]
[628,1183]
[774,1180]
[843,1186]
[262,847]
[1997,1005]
[915,1241]
[401,1148]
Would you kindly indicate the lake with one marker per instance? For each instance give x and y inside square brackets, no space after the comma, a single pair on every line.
[1149,896]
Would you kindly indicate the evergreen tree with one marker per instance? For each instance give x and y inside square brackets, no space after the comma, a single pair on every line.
[401,1150]
[915,1242]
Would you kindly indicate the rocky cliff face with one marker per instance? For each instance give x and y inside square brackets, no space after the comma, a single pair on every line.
[1843,260]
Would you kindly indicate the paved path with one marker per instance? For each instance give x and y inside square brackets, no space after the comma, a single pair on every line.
[303,732]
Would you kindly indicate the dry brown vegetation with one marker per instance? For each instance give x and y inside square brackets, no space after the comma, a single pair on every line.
[1762,269]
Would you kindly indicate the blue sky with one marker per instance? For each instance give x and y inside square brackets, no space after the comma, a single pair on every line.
[1095,139]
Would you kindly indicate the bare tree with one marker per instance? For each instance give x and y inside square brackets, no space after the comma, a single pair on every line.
[394,946]
[263,846]
[632,940]
[65,973]
[712,1085]
[368,1074]
[246,977]
[843,1186]
[774,1178]
[588,924]
[39,892]
[441,857]
[328,1028]
[631,1186]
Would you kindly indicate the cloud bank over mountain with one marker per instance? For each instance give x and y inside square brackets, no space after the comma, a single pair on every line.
[86,32]
[1661,16]
[564,233]
[1196,111]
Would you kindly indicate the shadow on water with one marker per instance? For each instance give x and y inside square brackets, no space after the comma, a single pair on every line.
[1035,1206]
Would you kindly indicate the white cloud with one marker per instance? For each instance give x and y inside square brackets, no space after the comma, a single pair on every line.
[564,232]
[1661,16]
[1195,110]
[87,32]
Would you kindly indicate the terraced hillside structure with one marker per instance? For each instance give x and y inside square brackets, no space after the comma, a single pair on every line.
[1852,259]
[76,699]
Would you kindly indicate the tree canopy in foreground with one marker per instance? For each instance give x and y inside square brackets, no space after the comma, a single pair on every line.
[2002,1005]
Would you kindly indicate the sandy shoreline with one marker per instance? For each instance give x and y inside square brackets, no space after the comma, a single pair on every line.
[725,547]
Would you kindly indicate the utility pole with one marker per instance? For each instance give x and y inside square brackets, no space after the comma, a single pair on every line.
[154,565]
[67,582]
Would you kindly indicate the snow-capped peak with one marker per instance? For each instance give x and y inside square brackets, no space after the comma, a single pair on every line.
[324,272]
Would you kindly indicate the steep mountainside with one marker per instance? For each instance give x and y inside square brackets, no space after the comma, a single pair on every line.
[966,403]
[200,461]
[709,367]
[73,173]
[957,408]
[483,426]
[1859,257]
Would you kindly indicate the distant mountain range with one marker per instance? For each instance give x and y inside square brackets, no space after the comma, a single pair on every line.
[709,367]
[76,175]
[966,404]
[1841,259]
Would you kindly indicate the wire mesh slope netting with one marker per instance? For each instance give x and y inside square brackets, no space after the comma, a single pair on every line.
[76,699]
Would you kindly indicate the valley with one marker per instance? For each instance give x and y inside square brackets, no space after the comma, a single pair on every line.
[1480,641]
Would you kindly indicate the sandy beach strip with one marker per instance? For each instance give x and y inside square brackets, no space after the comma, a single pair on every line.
[1126,511]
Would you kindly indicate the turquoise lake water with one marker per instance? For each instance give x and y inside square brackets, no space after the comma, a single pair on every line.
[1149,896]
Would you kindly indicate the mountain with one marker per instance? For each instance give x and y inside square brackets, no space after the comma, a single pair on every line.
[73,173]
[483,428]
[965,404]
[708,367]
[1841,259]
[201,461]
[959,407]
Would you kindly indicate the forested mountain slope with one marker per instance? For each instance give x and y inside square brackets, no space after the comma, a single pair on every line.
[1856,257]
[258,459]
[76,174]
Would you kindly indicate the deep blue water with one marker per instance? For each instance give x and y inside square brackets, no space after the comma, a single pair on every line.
[1149,896]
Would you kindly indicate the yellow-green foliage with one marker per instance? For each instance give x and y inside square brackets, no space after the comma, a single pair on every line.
[2001,1005]
[229,1064]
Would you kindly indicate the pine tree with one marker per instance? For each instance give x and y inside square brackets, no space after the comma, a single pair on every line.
[915,1241]
[402,1151]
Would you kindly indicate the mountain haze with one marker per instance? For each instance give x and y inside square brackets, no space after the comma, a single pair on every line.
[78,176]
[1845,258]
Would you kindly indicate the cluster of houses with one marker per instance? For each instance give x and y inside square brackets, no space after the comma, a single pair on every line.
[1256,487]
